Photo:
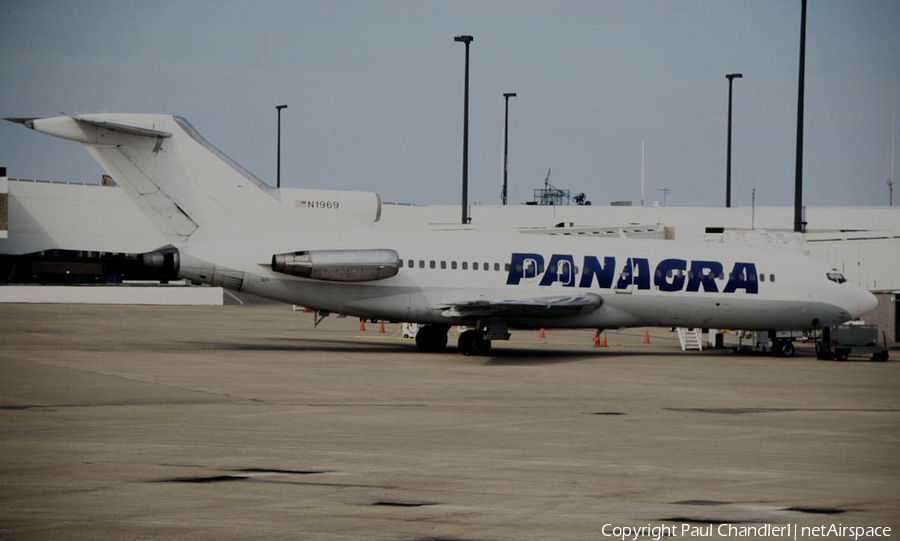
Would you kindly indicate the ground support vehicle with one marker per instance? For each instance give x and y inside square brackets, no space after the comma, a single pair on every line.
[839,342]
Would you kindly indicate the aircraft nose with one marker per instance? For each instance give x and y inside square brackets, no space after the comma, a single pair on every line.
[867,302]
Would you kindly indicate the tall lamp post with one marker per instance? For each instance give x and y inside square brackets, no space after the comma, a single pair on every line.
[731,77]
[506,95]
[278,159]
[890,181]
[465,171]
[799,224]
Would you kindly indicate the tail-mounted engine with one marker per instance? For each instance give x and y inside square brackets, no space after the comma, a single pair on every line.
[339,265]
[165,261]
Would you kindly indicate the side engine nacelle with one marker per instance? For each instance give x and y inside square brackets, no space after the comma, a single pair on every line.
[339,265]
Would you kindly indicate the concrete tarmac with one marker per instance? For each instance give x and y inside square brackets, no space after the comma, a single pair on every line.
[128,422]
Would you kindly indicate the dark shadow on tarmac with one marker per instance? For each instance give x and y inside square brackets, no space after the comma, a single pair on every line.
[524,357]
[536,357]
[299,344]
[517,355]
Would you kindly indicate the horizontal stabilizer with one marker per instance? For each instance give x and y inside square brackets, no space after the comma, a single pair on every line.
[94,129]
[116,126]
[24,120]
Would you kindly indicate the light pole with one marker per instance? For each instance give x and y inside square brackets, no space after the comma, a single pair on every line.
[278,159]
[465,172]
[730,77]
[890,181]
[799,224]
[506,95]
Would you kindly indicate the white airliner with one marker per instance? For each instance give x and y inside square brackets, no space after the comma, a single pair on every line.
[323,249]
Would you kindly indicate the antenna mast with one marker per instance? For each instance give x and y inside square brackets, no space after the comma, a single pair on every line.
[753,209]
[890,181]
[665,191]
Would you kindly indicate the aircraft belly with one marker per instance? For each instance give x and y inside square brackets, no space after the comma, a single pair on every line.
[716,312]
[364,300]
[738,313]
[393,303]
[405,303]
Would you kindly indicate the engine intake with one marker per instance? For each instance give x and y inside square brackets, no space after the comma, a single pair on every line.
[339,265]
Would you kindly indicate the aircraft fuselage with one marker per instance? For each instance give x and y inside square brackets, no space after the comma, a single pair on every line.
[641,282]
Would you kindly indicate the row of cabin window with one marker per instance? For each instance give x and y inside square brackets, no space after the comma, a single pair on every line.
[487,266]
[432,264]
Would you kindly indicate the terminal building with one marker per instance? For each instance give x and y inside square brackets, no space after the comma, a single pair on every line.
[84,233]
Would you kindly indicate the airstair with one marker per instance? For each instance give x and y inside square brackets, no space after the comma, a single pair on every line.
[689,338]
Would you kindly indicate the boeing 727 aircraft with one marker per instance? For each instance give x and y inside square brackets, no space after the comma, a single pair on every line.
[323,249]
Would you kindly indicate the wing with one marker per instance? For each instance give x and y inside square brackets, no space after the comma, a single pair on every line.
[558,305]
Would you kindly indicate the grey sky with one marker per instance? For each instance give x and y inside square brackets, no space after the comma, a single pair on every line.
[375,92]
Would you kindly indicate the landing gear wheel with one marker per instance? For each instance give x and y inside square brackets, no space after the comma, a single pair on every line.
[431,339]
[473,343]
[465,342]
[481,346]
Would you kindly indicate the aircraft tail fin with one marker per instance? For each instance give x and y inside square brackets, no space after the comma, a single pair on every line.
[186,187]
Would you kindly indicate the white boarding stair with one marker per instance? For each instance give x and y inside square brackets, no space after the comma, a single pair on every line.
[689,338]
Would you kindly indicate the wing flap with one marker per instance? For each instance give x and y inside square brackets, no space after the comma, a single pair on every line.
[550,306]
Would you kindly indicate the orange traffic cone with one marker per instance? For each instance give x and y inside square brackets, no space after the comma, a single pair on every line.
[603,345]
[542,335]
[596,334]
[381,330]
[646,336]
[362,324]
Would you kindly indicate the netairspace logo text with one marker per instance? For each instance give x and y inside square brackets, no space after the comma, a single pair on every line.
[788,531]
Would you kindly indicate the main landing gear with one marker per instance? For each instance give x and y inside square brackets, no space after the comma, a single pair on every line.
[432,338]
[472,342]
